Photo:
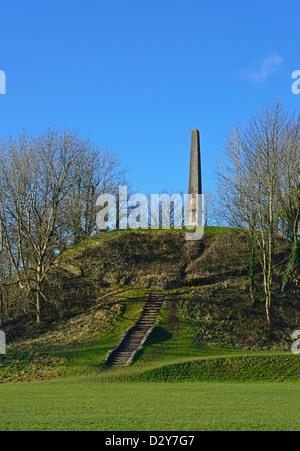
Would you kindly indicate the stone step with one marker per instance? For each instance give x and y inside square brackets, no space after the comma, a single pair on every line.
[137,334]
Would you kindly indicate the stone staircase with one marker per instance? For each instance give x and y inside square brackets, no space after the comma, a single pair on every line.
[136,336]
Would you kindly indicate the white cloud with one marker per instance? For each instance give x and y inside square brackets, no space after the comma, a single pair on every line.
[267,68]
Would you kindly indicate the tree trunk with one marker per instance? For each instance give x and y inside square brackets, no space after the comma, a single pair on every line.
[293,261]
[1,309]
[38,307]
[252,268]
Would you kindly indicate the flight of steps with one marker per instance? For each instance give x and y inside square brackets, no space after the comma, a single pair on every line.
[137,334]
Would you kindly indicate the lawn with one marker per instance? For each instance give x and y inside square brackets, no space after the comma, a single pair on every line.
[85,404]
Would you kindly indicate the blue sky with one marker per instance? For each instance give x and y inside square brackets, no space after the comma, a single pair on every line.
[138,76]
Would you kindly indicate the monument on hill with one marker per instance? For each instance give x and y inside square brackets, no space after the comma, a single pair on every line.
[195,181]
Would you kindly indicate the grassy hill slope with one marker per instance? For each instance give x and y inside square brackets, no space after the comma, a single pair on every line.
[208,330]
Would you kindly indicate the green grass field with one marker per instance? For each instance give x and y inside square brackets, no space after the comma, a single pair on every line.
[86,404]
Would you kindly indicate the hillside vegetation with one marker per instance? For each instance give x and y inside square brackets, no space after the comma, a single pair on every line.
[209,328]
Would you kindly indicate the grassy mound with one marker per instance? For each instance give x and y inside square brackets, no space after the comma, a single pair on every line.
[208,328]
[263,368]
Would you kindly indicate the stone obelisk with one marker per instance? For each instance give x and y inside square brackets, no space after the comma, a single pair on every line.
[195,182]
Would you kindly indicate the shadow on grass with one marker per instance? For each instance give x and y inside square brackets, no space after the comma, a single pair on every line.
[158,336]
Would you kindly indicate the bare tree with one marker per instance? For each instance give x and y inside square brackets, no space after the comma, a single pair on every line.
[236,207]
[100,172]
[211,208]
[250,177]
[43,180]
[289,199]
